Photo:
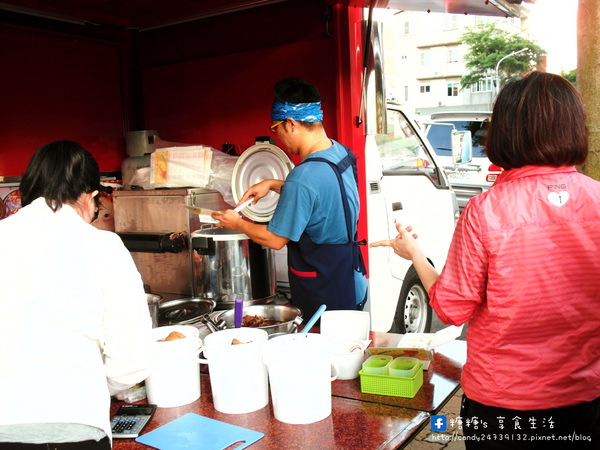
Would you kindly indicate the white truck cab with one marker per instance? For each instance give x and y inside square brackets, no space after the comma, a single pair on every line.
[405,184]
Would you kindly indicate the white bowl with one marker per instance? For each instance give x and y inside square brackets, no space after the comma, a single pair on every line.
[348,356]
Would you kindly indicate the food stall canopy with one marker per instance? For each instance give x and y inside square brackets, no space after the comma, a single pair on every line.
[510,8]
[149,14]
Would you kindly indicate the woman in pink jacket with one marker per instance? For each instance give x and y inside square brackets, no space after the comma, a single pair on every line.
[523,270]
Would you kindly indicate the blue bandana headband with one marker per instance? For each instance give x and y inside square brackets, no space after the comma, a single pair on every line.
[302,112]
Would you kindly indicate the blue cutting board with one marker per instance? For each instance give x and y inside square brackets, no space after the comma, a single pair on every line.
[193,431]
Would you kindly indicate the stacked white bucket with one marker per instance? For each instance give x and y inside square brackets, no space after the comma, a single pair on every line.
[299,369]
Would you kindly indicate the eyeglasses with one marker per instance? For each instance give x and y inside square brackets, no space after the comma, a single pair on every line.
[275,125]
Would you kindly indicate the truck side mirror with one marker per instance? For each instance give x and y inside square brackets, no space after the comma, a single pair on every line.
[462,147]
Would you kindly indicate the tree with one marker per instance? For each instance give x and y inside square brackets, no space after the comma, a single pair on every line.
[588,82]
[571,75]
[488,45]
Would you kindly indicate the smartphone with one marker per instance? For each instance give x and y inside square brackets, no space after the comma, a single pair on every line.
[130,420]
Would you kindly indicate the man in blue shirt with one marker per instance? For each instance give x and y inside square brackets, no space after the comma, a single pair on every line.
[317,213]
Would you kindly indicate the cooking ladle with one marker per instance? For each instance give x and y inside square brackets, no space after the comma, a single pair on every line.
[313,319]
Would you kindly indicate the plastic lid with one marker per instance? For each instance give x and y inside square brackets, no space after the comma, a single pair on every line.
[260,162]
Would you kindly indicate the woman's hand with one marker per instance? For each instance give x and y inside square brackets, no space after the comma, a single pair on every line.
[404,244]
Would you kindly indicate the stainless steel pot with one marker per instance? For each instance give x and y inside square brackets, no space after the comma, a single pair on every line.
[228,265]
[288,318]
[185,311]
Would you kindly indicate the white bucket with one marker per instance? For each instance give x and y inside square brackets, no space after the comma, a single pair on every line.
[175,376]
[238,375]
[300,367]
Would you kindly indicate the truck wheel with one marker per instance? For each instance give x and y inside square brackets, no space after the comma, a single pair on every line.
[413,313]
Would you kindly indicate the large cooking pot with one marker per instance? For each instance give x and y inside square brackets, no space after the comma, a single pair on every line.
[280,319]
[228,265]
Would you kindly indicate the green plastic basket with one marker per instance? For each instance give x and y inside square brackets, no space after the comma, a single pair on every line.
[388,385]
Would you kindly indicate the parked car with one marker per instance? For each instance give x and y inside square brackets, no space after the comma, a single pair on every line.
[471,175]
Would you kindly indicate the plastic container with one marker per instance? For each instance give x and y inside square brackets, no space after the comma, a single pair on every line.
[238,375]
[300,368]
[403,366]
[377,364]
[175,375]
[390,385]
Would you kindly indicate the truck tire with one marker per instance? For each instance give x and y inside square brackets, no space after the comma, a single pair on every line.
[413,313]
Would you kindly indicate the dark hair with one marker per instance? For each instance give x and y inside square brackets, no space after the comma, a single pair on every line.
[60,172]
[538,120]
[296,90]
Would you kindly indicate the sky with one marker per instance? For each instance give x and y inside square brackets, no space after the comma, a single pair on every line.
[554,25]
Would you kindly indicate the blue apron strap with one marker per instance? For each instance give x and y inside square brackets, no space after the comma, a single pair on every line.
[348,161]
[337,169]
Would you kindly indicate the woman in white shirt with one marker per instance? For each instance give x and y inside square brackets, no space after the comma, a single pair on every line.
[74,322]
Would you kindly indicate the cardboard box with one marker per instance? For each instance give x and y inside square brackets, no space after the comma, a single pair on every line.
[429,341]
[419,345]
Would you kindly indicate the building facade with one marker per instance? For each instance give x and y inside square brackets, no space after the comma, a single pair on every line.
[424,61]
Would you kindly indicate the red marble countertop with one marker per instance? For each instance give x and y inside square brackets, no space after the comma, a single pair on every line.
[352,424]
[357,420]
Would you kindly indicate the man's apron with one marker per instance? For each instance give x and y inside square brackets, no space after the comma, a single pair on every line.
[324,273]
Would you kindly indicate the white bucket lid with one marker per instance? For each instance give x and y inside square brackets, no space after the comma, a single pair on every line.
[260,162]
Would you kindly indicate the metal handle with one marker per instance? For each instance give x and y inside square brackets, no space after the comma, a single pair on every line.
[211,325]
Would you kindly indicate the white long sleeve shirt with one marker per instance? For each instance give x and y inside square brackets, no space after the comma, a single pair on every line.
[74,321]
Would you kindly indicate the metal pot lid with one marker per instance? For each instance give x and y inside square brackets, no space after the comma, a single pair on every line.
[260,162]
[184,311]
[220,234]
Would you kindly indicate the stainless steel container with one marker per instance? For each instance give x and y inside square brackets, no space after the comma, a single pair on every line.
[228,265]
[185,311]
[282,319]
[144,218]
[153,302]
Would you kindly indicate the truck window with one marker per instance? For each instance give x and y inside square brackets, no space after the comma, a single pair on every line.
[401,150]
[440,140]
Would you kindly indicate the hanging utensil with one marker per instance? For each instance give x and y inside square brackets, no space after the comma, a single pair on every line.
[313,319]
